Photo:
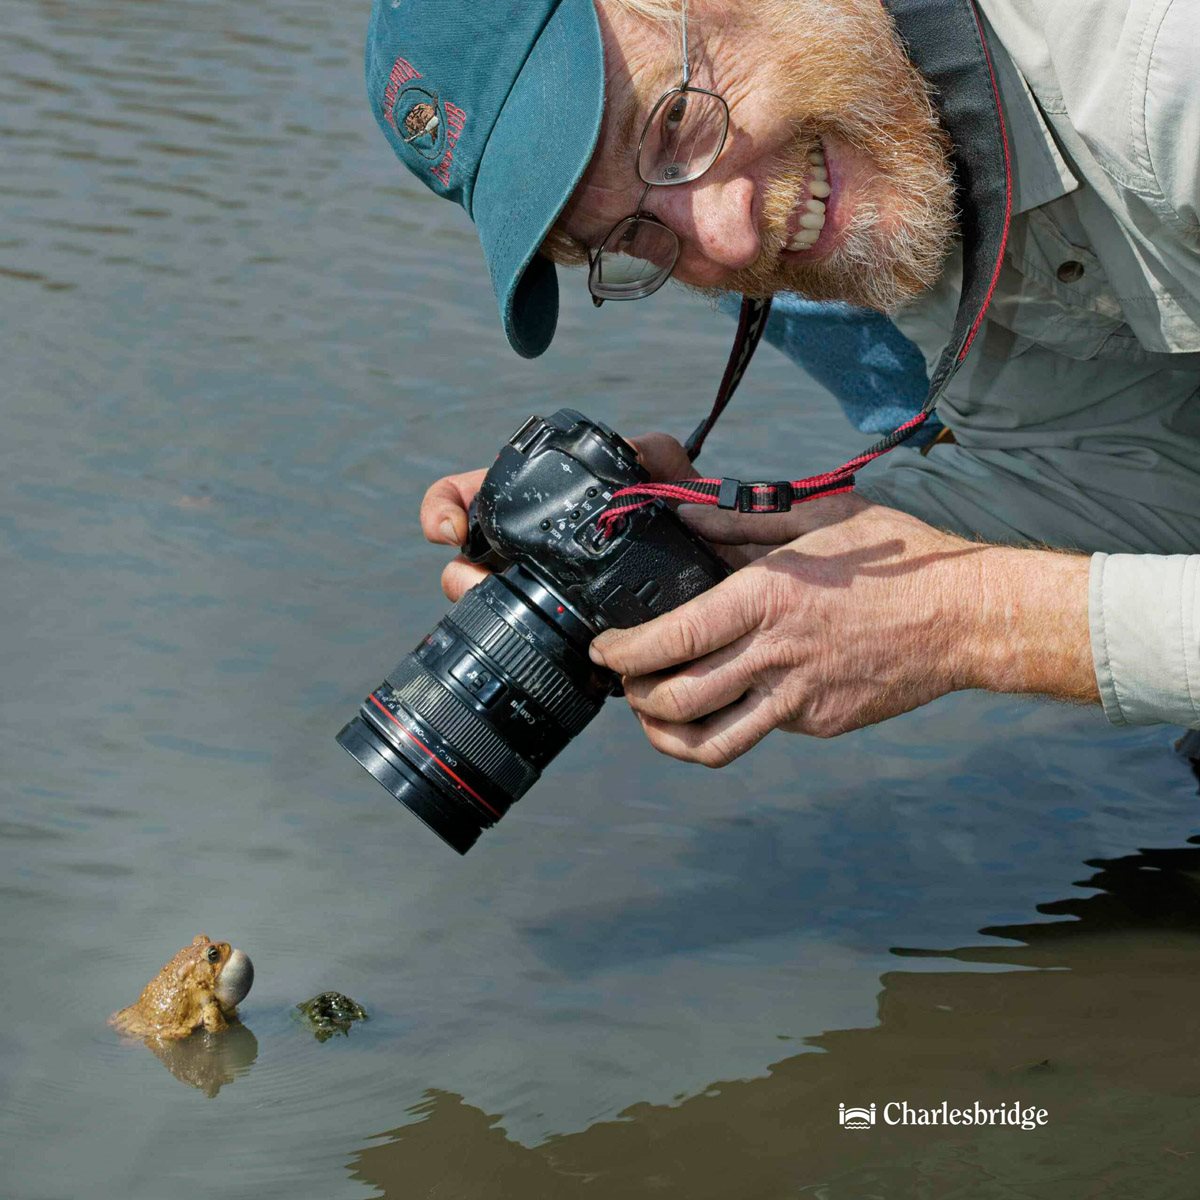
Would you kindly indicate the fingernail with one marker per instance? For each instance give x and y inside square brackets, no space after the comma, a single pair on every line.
[448,531]
[597,655]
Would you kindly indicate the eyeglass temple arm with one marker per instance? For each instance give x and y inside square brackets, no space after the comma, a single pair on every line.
[683,38]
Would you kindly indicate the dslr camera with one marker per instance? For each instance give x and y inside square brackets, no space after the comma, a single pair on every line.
[464,726]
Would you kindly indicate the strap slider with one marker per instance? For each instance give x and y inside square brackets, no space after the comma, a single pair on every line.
[774,497]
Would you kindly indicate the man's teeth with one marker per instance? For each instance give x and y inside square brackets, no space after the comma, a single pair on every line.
[812,220]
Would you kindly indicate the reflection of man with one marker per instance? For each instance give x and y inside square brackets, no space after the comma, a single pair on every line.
[791,146]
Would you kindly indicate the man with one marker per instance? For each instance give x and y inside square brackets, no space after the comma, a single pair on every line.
[791,146]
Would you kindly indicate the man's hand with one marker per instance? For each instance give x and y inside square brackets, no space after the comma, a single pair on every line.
[843,614]
[444,508]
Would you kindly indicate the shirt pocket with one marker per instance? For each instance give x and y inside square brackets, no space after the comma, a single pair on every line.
[1053,292]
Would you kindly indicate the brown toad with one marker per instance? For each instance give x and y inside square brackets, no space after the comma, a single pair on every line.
[199,988]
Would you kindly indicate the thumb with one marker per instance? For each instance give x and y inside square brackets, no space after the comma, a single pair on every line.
[663,457]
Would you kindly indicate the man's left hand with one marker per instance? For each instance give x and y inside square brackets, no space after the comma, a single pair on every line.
[842,614]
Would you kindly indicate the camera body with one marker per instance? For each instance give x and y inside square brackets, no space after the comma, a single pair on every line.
[538,507]
[463,726]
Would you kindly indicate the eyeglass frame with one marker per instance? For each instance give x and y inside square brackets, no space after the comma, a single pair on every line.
[684,86]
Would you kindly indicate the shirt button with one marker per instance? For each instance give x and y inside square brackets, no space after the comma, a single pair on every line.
[1070,272]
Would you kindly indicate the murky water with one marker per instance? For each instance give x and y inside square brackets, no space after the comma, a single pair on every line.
[237,344]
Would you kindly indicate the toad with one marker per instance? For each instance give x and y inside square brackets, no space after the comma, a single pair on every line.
[330,1013]
[199,988]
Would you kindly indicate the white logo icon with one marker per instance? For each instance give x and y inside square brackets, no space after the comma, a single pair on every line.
[856,1118]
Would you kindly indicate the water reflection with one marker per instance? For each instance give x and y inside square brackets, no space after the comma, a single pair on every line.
[1103,1033]
[208,1061]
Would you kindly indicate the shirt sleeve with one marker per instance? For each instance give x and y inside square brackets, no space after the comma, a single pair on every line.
[1144,612]
[1166,112]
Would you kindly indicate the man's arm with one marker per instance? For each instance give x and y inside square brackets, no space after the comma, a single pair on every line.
[866,614]
[846,613]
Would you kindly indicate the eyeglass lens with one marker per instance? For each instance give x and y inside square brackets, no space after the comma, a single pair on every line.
[638,254]
[683,137]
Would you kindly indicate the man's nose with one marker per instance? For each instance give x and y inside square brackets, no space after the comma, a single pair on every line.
[714,221]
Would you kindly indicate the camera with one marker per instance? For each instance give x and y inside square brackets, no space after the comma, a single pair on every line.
[466,723]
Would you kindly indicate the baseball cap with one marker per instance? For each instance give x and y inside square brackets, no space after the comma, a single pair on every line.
[496,105]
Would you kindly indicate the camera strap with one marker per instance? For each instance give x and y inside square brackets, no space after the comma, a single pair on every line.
[944,40]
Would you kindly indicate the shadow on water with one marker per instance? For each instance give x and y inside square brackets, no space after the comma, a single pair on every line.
[865,879]
[1099,1024]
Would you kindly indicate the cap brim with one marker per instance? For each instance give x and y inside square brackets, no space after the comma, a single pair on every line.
[540,146]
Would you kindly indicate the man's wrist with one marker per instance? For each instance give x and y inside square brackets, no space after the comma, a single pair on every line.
[1026,624]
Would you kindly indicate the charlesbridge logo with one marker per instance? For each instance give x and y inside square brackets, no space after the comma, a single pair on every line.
[900,1112]
[856,1118]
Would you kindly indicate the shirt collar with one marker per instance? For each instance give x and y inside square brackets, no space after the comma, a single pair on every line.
[1040,173]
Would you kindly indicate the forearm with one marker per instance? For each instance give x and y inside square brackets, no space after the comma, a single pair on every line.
[1024,627]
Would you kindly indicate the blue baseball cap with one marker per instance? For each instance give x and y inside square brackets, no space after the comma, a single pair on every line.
[496,105]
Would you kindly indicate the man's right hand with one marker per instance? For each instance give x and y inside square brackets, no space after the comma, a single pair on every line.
[444,508]
[444,521]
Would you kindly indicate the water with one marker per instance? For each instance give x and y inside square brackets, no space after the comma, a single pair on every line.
[237,346]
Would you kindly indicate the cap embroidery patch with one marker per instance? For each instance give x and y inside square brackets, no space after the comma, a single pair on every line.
[429,125]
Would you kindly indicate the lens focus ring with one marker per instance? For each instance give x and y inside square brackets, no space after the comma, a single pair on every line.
[472,740]
[525,663]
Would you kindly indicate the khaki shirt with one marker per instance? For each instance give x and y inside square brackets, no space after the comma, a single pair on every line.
[1077,415]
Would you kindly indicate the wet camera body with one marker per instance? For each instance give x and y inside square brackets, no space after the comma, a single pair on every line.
[538,507]
[465,724]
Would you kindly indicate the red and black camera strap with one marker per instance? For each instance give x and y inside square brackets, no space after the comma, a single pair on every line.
[945,41]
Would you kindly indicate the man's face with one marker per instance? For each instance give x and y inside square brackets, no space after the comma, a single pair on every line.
[805,81]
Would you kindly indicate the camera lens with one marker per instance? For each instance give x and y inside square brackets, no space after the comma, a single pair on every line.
[466,723]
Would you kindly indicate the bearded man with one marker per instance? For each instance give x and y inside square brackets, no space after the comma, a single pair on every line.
[793,146]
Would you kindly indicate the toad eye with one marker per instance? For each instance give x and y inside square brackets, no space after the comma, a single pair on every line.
[213,954]
[676,113]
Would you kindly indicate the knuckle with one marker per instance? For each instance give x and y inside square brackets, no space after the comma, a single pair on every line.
[778,597]
[687,640]
[671,700]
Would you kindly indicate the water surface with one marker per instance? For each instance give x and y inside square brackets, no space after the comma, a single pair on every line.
[237,345]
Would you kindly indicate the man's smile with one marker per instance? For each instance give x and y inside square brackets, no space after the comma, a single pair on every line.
[813,211]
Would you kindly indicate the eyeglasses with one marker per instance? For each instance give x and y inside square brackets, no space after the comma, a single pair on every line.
[683,136]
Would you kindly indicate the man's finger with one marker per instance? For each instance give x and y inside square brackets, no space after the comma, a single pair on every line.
[696,691]
[444,508]
[717,741]
[663,457]
[460,576]
[691,631]
[724,527]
